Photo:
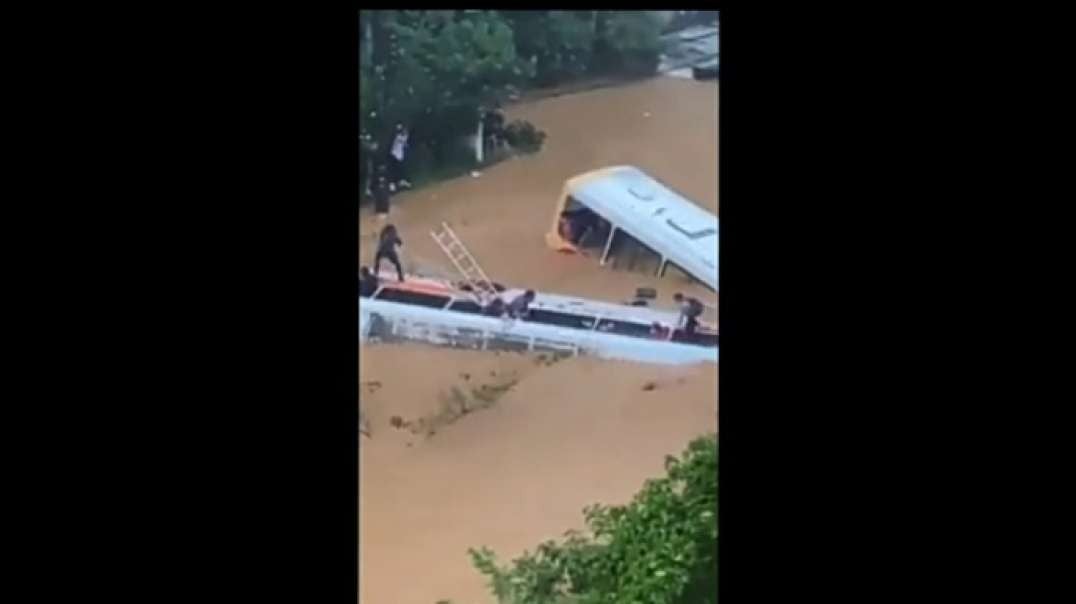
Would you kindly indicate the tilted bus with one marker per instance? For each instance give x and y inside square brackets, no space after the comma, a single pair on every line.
[631,214]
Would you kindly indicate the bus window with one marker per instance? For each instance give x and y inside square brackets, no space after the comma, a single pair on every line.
[631,254]
[699,233]
[709,340]
[463,337]
[466,306]
[624,328]
[679,275]
[581,226]
[559,349]
[551,317]
[508,343]
[573,205]
[410,297]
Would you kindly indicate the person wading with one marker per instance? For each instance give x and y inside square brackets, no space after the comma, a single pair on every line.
[386,248]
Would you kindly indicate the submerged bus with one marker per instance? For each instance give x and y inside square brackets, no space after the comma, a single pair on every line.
[631,218]
[441,313]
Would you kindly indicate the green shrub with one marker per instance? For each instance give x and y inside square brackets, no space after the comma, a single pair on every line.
[523,136]
[424,165]
[661,548]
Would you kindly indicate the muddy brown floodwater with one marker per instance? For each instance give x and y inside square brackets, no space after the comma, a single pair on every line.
[537,442]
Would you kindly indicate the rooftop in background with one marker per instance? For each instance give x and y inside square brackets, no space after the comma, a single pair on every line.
[690,47]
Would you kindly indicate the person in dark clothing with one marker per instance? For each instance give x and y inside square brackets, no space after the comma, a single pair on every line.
[381,196]
[386,248]
[367,282]
[586,223]
[493,129]
[495,308]
[521,305]
[575,225]
[690,311]
[564,225]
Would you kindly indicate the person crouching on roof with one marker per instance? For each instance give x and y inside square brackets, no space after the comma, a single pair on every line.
[520,306]
[367,282]
[659,331]
[690,311]
[495,308]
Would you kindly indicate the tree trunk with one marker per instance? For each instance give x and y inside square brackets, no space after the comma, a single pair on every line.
[368,34]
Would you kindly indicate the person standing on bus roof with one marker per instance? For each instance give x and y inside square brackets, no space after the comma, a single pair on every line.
[690,311]
[386,248]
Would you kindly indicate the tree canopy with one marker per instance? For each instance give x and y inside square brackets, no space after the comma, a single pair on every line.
[659,549]
[415,63]
[436,70]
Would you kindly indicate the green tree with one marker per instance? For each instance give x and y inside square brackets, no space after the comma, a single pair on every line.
[447,58]
[659,549]
[558,43]
[435,70]
[441,67]
[627,42]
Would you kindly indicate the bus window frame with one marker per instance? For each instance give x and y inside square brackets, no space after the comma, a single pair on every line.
[661,259]
[383,289]
[694,281]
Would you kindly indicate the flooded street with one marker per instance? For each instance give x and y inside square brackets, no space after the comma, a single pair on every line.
[503,215]
[561,436]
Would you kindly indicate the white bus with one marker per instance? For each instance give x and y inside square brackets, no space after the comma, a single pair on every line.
[631,217]
[440,313]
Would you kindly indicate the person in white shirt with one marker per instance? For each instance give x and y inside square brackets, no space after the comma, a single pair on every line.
[396,158]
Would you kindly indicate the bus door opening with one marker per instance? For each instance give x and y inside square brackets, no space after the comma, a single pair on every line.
[582,227]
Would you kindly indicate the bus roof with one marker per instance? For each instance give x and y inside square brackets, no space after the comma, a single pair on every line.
[651,212]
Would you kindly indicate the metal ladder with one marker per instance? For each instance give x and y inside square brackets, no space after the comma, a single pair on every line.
[481,287]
